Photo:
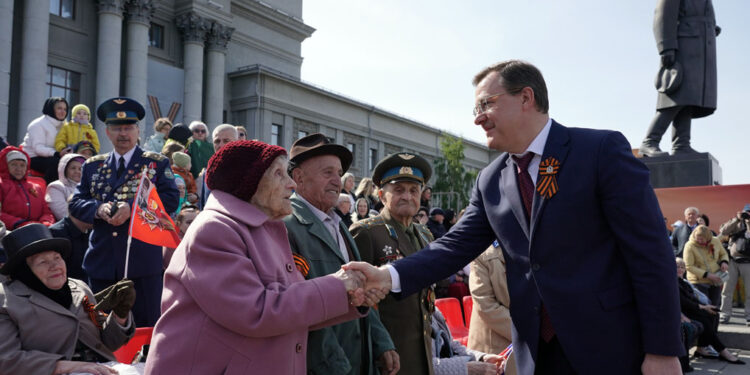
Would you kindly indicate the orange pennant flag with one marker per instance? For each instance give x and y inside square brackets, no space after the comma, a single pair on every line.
[149,222]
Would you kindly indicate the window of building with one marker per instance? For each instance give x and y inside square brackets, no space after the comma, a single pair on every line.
[301,134]
[156,36]
[276,135]
[373,158]
[64,83]
[352,148]
[62,8]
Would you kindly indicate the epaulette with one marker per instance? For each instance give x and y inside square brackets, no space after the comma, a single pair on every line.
[424,232]
[371,222]
[154,155]
[99,157]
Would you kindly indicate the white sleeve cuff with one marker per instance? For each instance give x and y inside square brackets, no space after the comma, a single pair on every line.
[395,279]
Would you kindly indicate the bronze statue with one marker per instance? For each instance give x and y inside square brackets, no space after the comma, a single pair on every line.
[685,32]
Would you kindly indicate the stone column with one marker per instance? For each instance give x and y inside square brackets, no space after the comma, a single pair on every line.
[193,29]
[35,40]
[6,44]
[136,55]
[108,45]
[217,40]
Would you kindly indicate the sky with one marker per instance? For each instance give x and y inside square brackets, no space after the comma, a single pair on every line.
[416,58]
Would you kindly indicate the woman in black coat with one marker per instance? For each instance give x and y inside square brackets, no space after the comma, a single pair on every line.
[705,314]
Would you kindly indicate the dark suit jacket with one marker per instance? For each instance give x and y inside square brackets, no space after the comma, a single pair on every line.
[595,254]
[680,237]
[79,243]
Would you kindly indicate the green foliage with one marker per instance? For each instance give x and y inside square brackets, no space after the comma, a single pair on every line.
[453,181]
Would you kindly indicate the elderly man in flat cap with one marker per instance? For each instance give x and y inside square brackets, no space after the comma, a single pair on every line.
[321,245]
[104,198]
[392,235]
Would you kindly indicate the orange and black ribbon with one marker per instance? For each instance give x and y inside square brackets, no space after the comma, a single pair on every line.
[302,266]
[548,169]
[93,314]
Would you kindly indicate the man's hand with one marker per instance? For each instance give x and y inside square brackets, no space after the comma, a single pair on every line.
[377,278]
[102,212]
[481,368]
[389,362]
[724,267]
[667,58]
[122,214]
[660,365]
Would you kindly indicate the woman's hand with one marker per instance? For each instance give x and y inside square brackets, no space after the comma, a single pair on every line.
[715,279]
[724,266]
[66,367]
[352,279]
[711,309]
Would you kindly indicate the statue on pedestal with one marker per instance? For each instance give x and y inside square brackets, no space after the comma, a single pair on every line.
[685,32]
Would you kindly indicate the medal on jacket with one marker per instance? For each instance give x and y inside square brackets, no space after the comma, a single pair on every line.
[548,169]
[391,255]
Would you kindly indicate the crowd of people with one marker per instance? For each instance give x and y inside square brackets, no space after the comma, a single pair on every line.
[285,267]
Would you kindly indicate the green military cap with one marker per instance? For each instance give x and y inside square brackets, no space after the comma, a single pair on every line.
[403,166]
[118,111]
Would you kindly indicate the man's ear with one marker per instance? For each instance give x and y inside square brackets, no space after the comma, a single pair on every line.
[527,98]
[297,174]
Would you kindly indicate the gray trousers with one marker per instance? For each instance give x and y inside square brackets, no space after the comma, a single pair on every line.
[735,270]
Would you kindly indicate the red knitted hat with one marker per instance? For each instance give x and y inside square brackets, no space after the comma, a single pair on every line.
[238,167]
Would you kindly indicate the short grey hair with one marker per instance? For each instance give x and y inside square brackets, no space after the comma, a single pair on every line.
[223,127]
[344,197]
[695,209]
[197,124]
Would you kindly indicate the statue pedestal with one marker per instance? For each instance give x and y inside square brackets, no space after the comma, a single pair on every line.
[698,169]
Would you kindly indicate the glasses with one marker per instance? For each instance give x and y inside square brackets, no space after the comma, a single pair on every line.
[200,131]
[483,104]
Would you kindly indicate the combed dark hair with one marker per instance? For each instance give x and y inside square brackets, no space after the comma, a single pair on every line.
[517,74]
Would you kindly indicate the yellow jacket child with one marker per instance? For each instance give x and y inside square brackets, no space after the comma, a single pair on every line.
[77,130]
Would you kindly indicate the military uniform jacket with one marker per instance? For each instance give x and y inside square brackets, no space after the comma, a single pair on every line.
[381,240]
[105,257]
[348,348]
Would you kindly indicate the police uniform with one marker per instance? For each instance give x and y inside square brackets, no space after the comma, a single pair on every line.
[382,240]
[104,261]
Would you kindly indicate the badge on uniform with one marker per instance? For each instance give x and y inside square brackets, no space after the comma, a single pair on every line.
[548,169]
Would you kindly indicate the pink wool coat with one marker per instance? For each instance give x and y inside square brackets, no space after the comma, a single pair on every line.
[233,300]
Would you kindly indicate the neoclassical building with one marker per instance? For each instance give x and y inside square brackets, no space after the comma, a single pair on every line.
[235,61]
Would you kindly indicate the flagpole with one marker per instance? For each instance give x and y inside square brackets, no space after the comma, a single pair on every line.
[130,230]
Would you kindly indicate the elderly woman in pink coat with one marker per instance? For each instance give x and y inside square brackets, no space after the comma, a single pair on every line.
[234,302]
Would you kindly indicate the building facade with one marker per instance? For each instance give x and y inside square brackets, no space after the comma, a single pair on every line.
[235,61]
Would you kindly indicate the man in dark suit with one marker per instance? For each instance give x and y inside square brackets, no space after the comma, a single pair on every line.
[104,198]
[681,234]
[600,303]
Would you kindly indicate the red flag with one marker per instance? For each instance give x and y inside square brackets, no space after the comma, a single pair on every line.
[149,221]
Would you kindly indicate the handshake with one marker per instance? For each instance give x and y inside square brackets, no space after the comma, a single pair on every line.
[365,284]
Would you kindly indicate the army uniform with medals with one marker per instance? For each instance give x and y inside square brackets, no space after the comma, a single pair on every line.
[381,240]
[104,261]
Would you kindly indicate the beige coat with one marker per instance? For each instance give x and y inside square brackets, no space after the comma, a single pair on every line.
[37,332]
[699,260]
[490,328]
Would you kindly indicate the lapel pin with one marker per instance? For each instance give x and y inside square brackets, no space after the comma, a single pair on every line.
[548,169]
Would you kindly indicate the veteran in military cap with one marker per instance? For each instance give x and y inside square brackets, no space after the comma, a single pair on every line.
[104,198]
[390,236]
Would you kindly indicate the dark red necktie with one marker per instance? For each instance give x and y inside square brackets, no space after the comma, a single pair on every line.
[526,187]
